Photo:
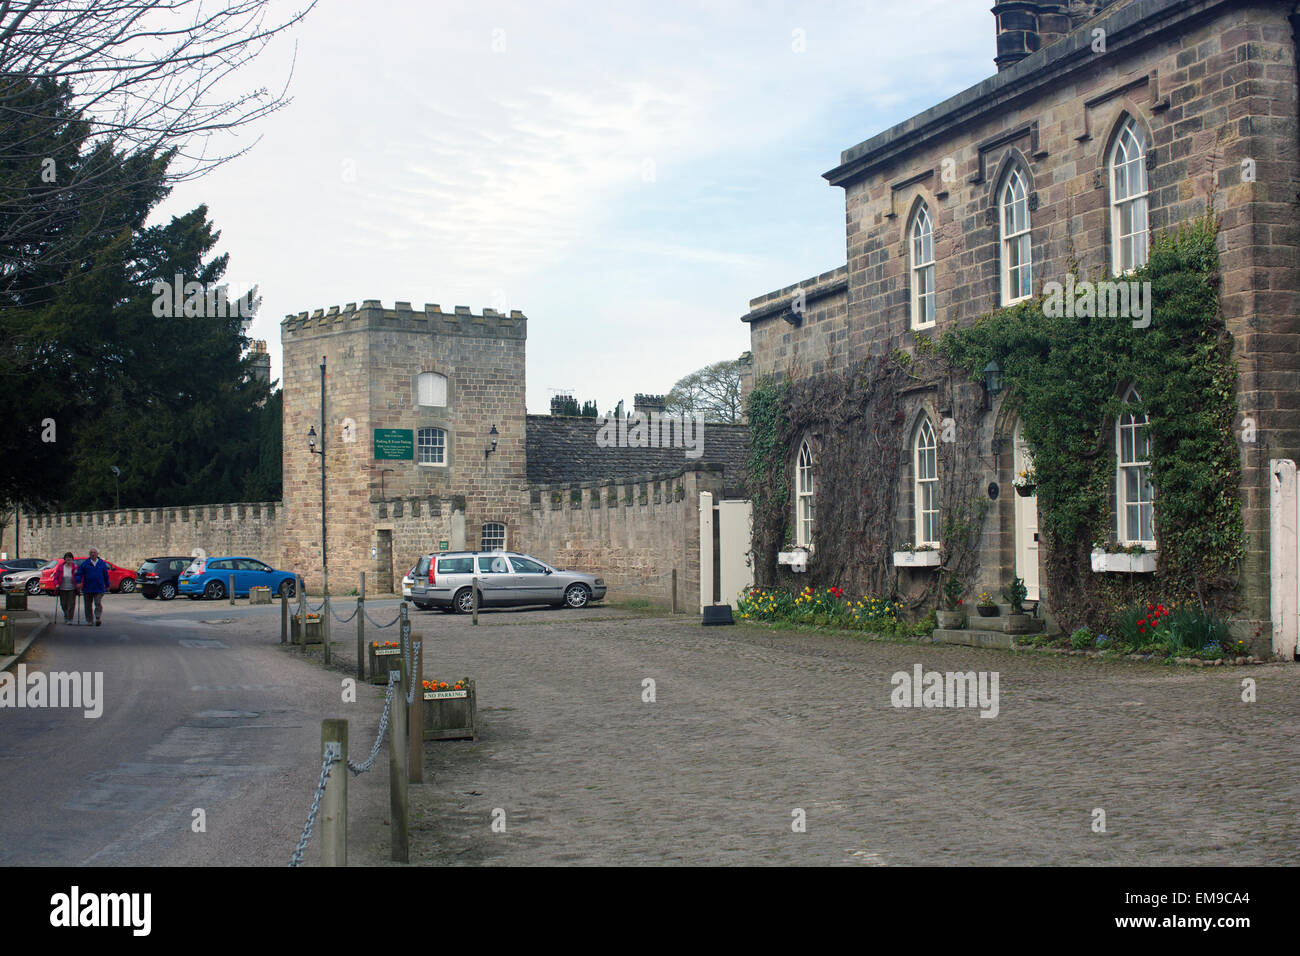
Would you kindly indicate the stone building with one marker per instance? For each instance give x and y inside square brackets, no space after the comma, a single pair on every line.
[1105,123]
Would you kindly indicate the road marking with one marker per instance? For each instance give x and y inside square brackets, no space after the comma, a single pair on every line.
[209,644]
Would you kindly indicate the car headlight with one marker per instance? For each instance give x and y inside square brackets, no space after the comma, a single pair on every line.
[600,581]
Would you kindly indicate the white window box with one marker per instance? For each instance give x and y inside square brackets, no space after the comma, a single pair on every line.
[1144,563]
[797,560]
[916,559]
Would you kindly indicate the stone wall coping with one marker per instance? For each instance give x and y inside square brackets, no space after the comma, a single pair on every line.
[818,287]
[268,510]
[430,318]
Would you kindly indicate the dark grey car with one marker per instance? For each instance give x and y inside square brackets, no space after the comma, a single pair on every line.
[445,580]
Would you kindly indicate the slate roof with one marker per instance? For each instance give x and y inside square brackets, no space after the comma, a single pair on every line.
[563,449]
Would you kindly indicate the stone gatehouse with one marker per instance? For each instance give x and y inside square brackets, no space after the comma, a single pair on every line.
[1105,123]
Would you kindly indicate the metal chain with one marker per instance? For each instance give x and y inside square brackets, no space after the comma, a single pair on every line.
[344,620]
[383,729]
[411,672]
[377,624]
[327,762]
[313,610]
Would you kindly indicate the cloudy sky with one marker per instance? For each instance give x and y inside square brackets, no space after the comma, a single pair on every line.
[628,174]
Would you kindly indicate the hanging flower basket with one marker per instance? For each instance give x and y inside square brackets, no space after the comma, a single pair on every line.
[1024,491]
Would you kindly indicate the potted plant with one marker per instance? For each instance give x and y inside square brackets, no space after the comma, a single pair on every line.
[311,634]
[986,607]
[1131,559]
[1025,482]
[380,652]
[952,614]
[1017,620]
[921,556]
[450,710]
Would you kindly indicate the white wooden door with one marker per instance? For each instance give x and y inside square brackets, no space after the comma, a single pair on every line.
[1026,522]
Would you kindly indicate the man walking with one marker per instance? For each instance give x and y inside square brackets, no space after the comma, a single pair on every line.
[92,576]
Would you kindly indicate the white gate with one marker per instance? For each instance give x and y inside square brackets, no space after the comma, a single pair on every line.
[1284,556]
[725,540]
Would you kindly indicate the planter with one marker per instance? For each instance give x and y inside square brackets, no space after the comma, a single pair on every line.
[380,657]
[451,714]
[987,610]
[1024,491]
[950,620]
[313,629]
[1018,624]
[916,559]
[15,600]
[258,595]
[1144,563]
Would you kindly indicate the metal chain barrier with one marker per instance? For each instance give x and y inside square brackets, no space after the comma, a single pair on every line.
[383,729]
[329,760]
[313,610]
[381,626]
[410,690]
[343,620]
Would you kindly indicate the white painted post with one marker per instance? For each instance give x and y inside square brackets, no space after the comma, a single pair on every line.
[1284,556]
[706,549]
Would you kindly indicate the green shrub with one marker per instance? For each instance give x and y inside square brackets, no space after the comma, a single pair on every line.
[1082,638]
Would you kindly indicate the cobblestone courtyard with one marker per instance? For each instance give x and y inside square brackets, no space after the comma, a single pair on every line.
[749,724]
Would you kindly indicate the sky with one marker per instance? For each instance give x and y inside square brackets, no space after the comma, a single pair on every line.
[628,175]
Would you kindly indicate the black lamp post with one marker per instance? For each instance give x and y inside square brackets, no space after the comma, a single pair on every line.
[492,439]
[117,484]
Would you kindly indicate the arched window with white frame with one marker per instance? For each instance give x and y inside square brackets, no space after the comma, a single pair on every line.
[1017,258]
[1134,493]
[925,479]
[921,245]
[1128,198]
[805,495]
[431,390]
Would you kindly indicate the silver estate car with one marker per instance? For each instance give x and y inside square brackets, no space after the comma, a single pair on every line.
[443,580]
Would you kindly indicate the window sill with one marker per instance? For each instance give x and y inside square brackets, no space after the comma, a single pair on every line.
[1144,563]
[797,560]
[916,559]
[431,464]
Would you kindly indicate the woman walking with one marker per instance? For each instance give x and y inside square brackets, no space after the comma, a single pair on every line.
[66,583]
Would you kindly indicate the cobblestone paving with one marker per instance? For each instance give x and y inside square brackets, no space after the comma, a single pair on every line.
[750,724]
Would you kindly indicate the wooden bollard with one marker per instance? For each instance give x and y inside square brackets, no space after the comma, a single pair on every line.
[416,722]
[324,626]
[674,590]
[398,782]
[232,589]
[473,584]
[284,617]
[361,629]
[334,801]
[302,614]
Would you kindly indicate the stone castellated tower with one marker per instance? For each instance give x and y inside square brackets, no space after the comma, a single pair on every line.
[426,388]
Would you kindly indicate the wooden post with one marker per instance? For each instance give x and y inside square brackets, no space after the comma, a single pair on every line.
[284,617]
[674,590]
[361,630]
[398,751]
[416,723]
[302,613]
[232,589]
[473,585]
[334,801]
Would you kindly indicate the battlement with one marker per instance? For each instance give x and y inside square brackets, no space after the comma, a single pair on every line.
[372,315]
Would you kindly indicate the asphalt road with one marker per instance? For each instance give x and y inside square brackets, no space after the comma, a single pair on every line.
[203,710]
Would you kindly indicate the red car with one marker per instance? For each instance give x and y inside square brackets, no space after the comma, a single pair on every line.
[119,579]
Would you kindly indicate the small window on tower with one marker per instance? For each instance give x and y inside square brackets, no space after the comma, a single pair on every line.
[431,390]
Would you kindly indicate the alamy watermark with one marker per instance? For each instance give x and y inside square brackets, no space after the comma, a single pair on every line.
[84,691]
[652,430]
[923,688]
[194,300]
[1103,299]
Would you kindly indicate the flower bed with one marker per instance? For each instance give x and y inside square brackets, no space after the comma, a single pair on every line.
[1155,631]
[827,607]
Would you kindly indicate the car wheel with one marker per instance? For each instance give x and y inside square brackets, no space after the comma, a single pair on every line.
[127,586]
[286,588]
[463,602]
[576,595]
[167,592]
[33,585]
[215,590]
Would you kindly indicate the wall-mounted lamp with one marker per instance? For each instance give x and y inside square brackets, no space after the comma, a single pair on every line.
[311,440]
[492,442]
[992,382]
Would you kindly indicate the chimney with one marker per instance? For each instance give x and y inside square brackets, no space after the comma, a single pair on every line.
[1017,29]
[648,403]
[1053,22]
[564,405]
[260,359]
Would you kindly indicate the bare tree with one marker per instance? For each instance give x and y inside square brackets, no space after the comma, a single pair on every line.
[713,391]
[147,81]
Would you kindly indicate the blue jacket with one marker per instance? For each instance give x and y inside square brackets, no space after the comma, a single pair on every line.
[93,578]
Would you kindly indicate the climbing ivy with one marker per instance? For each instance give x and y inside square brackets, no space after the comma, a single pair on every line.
[1067,375]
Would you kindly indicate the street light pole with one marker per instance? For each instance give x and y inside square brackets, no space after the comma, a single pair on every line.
[324,554]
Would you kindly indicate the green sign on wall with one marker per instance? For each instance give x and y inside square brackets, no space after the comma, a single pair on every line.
[442,545]
[394,444]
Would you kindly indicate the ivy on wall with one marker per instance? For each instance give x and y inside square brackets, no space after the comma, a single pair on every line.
[1067,375]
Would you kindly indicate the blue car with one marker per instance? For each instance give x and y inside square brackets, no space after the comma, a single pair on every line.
[210,578]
